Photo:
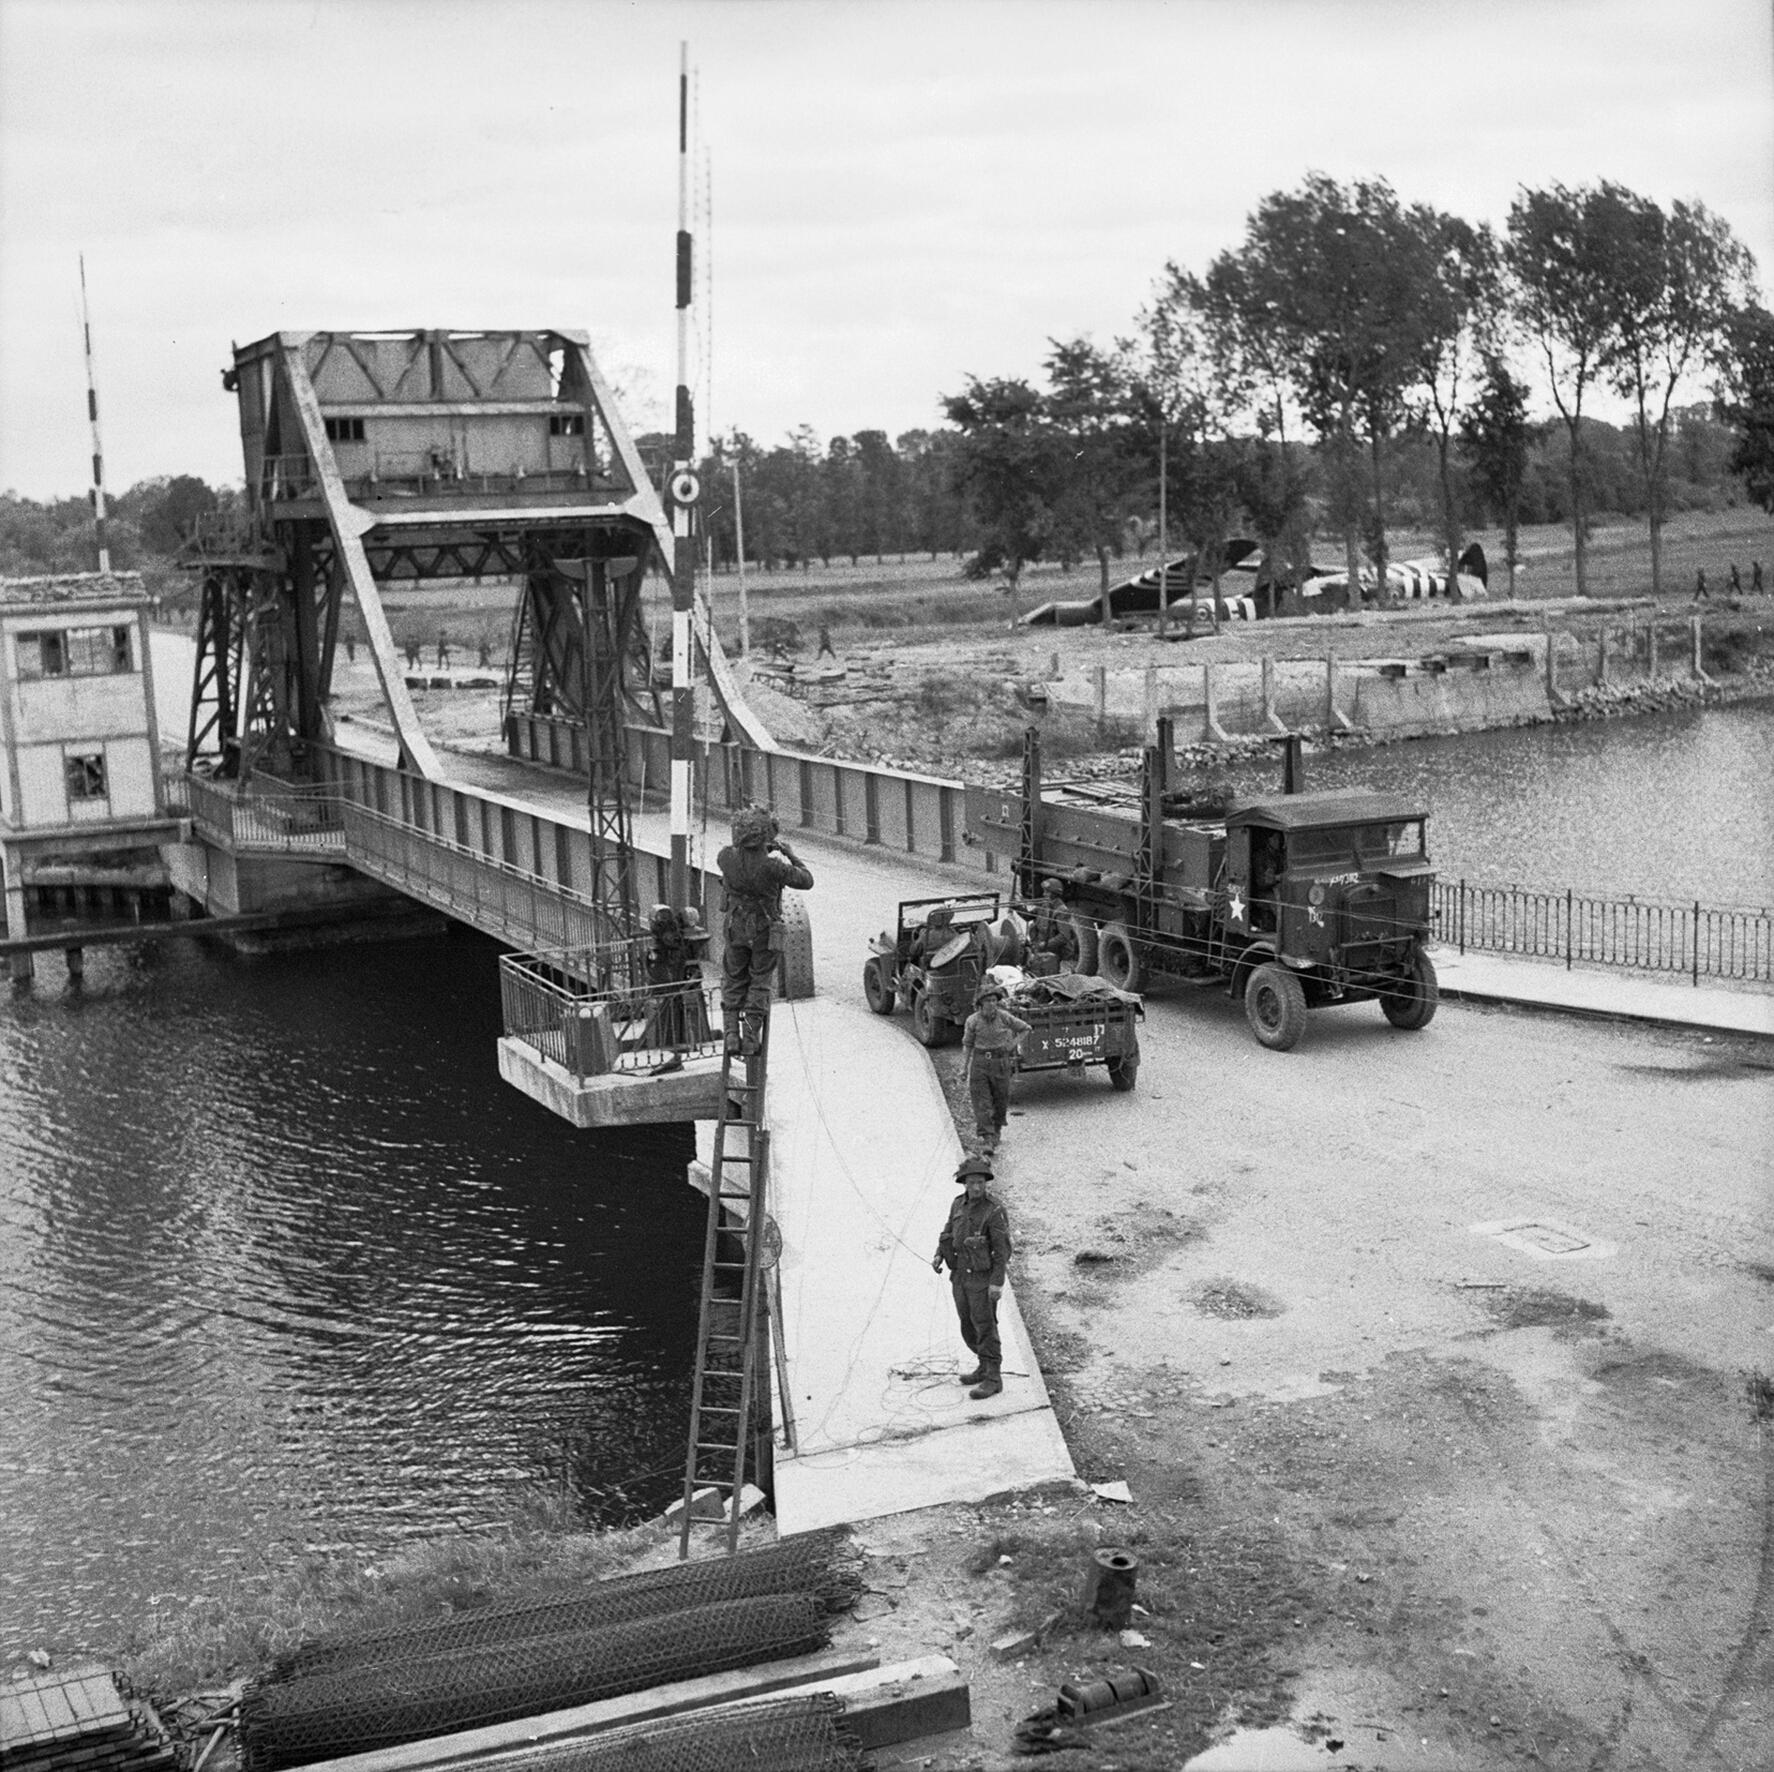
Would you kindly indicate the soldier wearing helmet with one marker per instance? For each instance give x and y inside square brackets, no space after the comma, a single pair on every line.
[990,1043]
[755,867]
[975,1247]
[1050,929]
[674,968]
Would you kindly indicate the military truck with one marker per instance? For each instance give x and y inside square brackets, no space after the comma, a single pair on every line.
[1293,902]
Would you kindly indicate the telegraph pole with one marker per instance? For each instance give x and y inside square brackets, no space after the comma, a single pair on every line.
[684,490]
[92,413]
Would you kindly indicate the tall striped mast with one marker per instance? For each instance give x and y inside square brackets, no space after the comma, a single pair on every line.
[684,491]
[92,413]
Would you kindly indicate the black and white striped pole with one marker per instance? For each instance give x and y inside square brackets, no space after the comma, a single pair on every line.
[92,413]
[684,490]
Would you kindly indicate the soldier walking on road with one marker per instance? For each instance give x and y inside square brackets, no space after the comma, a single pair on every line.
[975,1247]
[990,1044]
[754,869]
[1755,578]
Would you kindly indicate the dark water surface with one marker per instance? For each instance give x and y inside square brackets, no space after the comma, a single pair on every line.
[284,1267]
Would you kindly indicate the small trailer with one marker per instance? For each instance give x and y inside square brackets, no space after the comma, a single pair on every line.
[1069,1033]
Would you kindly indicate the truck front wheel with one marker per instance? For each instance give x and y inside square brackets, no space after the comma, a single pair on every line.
[1411,1004]
[1117,959]
[1275,1007]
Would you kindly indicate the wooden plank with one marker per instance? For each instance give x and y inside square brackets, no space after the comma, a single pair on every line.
[901,1702]
[803,1671]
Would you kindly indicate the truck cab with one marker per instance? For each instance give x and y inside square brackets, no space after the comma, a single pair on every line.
[1328,880]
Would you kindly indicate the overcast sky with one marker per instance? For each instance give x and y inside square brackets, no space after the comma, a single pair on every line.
[901,195]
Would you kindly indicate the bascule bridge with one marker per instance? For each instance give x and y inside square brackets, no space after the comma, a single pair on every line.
[380,461]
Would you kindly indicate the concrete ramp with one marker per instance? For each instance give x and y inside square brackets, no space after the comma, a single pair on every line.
[863,1158]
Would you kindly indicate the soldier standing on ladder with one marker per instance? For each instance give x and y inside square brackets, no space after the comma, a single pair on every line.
[754,869]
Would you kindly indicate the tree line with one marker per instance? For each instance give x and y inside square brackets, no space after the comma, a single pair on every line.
[1352,347]
[1352,365]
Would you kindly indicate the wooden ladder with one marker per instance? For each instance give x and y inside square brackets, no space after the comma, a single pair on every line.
[727,1368]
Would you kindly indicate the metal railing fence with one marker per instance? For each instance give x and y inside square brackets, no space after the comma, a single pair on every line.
[1633,934]
[475,888]
[264,814]
[592,1010]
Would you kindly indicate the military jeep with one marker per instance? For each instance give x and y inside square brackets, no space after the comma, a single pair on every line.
[937,973]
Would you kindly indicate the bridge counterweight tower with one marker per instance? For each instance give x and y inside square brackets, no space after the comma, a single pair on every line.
[392,457]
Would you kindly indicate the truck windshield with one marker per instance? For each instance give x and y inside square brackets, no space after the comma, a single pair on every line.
[1401,837]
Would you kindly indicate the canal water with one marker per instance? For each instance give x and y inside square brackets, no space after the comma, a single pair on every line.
[1678,807]
[285,1269]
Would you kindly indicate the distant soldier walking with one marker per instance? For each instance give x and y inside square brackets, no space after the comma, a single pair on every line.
[755,868]
[1755,578]
[1736,585]
[975,1247]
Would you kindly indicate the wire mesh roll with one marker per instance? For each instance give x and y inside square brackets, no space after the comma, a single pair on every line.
[804,1734]
[353,1709]
[823,1564]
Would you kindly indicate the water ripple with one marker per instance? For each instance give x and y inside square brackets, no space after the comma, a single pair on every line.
[285,1268]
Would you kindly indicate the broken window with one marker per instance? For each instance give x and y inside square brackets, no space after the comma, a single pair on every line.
[566,424]
[77,652]
[86,776]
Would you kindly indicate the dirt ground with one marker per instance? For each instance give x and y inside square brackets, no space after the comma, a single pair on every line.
[1436,1499]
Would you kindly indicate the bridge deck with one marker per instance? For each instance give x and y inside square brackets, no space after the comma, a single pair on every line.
[863,1161]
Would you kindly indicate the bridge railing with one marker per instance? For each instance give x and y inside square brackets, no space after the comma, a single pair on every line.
[914,814]
[473,887]
[1634,934]
[593,1011]
[267,815]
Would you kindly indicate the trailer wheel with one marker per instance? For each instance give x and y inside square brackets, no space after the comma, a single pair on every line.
[1412,1006]
[1275,1007]
[876,986]
[1084,933]
[1123,1072]
[928,1022]
[1117,959]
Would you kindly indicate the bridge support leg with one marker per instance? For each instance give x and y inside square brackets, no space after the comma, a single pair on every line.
[12,878]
